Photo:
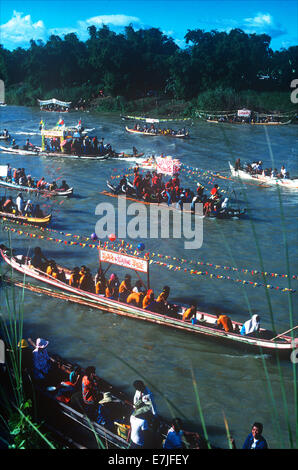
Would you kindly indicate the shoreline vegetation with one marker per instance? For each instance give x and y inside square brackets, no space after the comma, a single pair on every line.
[216,101]
[145,72]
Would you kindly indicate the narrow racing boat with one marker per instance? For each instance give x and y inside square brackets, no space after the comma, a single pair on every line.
[38,221]
[204,324]
[156,134]
[45,192]
[37,151]
[264,180]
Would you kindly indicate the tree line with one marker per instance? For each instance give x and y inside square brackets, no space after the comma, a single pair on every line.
[144,62]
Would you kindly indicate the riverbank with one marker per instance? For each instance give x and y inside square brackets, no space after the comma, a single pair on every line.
[160,106]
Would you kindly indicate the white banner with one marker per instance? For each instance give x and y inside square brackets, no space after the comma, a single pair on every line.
[167,165]
[126,261]
[244,113]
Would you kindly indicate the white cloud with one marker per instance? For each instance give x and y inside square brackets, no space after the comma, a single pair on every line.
[263,23]
[20,29]
[115,20]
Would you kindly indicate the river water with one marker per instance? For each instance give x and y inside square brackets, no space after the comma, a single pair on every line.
[244,387]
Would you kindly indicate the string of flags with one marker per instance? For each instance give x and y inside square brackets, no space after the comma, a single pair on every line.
[123,246]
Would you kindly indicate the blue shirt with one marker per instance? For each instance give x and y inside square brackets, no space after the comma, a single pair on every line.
[260,443]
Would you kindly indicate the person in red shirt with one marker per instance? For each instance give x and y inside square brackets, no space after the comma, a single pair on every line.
[89,391]
[215,192]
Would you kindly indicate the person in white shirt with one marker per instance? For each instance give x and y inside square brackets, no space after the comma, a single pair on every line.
[20,203]
[138,428]
[144,394]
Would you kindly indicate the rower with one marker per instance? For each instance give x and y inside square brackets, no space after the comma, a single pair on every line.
[100,283]
[8,205]
[52,269]
[135,298]
[86,280]
[41,183]
[37,212]
[190,313]
[224,322]
[53,186]
[215,192]
[38,261]
[237,164]
[125,288]
[74,280]
[283,172]
[148,301]
[251,327]
[110,291]
[64,186]
[162,300]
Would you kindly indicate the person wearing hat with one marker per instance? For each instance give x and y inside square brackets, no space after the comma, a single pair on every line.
[41,360]
[107,407]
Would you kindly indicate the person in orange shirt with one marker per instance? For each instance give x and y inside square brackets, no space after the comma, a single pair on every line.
[52,269]
[74,279]
[135,298]
[162,300]
[125,288]
[224,322]
[110,291]
[148,300]
[189,313]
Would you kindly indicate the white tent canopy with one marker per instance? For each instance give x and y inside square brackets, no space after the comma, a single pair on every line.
[54,101]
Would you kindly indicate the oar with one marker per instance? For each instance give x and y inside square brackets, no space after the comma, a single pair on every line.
[281,334]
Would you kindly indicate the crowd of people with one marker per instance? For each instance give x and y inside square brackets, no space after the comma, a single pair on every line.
[81,145]
[155,130]
[20,207]
[151,187]
[256,168]
[18,176]
[136,420]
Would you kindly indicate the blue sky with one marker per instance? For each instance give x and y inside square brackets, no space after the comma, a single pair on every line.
[37,19]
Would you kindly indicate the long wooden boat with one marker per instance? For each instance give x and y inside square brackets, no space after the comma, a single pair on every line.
[134,131]
[214,121]
[129,155]
[67,416]
[27,189]
[204,324]
[39,222]
[38,152]
[260,179]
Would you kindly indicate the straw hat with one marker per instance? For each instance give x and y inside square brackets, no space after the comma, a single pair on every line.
[108,398]
[23,344]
